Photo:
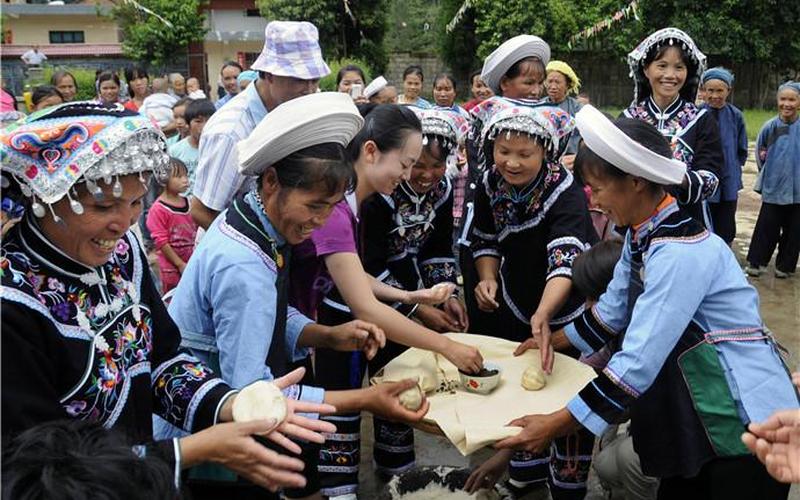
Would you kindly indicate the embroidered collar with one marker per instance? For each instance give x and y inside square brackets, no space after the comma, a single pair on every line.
[665,208]
[667,112]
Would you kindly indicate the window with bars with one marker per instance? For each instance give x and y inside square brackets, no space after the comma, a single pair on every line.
[66,37]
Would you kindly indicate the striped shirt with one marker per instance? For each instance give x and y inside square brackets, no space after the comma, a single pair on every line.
[217,179]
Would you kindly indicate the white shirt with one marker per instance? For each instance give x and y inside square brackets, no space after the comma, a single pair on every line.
[33,57]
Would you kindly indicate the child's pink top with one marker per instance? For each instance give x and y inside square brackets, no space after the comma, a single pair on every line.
[174,225]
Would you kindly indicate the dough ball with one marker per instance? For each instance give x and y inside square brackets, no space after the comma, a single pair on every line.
[411,399]
[533,378]
[260,400]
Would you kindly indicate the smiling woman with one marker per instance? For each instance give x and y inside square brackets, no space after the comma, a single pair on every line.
[74,274]
[666,68]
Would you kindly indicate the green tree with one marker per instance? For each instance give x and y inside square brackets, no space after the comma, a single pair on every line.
[146,36]
[413,25]
[459,48]
[347,28]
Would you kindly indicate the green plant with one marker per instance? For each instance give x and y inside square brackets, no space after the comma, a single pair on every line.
[328,84]
[84,79]
[147,39]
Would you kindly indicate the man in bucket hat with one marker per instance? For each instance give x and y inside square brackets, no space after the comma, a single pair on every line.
[289,66]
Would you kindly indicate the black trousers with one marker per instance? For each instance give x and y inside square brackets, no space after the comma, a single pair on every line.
[777,225]
[723,217]
[736,478]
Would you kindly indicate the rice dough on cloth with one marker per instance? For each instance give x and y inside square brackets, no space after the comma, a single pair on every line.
[471,421]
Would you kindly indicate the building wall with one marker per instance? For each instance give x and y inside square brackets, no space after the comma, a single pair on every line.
[219,52]
[35,29]
[235,21]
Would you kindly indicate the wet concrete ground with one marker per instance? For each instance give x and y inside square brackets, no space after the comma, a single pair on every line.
[780,308]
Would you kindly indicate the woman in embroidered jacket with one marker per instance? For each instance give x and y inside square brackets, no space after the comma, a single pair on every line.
[531,221]
[233,301]
[666,68]
[691,360]
[85,334]
[407,243]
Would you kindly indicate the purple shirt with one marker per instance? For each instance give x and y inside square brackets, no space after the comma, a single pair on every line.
[309,278]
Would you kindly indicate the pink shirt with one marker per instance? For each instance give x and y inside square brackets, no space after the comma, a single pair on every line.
[171,225]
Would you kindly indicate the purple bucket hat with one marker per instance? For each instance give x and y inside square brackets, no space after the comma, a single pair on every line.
[291,48]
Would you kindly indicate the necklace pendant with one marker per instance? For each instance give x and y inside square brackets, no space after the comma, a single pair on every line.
[279,260]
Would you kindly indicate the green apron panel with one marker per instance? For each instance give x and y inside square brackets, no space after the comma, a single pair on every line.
[712,399]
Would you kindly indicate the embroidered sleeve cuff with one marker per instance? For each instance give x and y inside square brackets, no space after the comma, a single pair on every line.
[295,322]
[583,414]
[561,253]
[486,252]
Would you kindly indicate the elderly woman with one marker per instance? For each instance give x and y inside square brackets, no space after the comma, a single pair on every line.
[562,81]
[690,359]
[85,333]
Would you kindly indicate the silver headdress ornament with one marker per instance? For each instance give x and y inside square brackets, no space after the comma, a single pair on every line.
[654,42]
[51,151]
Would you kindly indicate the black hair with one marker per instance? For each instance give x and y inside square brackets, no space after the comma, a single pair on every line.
[414,69]
[642,132]
[387,125]
[438,147]
[442,76]
[524,65]
[59,75]
[593,269]
[134,72]
[67,459]
[177,167]
[42,92]
[105,76]
[347,69]
[327,164]
[183,101]
[472,76]
[229,64]
[197,108]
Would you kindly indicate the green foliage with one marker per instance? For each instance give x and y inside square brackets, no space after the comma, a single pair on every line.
[148,40]
[84,78]
[328,84]
[459,48]
[341,36]
[738,30]
[413,25]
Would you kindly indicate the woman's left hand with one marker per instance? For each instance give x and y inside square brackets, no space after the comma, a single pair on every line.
[540,328]
[431,296]
[455,310]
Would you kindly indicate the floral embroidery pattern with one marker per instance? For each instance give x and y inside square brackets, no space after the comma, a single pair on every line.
[674,125]
[511,207]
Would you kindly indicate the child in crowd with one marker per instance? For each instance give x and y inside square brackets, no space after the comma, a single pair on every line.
[192,85]
[718,83]
[171,227]
[108,87]
[198,111]
[179,123]
[158,105]
[778,158]
[45,96]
